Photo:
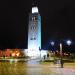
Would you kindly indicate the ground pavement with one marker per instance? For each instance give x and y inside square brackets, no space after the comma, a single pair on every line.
[49,69]
[33,67]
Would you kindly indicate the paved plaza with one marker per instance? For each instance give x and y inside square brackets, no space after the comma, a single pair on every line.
[33,67]
[49,69]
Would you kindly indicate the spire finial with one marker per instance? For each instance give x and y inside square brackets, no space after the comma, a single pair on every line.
[34,3]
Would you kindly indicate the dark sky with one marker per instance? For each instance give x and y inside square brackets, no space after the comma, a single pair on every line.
[58,21]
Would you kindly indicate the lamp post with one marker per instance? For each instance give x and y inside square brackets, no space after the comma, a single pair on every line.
[61,49]
[68,43]
[61,60]
[52,43]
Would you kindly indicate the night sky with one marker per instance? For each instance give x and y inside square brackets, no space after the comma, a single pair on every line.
[58,21]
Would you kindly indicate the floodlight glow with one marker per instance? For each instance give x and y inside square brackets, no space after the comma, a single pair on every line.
[33,53]
[34,10]
[68,42]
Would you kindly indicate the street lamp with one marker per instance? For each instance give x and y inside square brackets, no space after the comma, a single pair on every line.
[69,42]
[52,43]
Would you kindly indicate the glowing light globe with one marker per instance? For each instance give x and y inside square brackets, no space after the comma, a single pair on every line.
[69,42]
[52,43]
[34,9]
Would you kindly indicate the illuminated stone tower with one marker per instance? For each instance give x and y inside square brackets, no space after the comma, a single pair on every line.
[34,30]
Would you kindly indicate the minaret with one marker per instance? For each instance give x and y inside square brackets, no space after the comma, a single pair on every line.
[34,29]
[34,32]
